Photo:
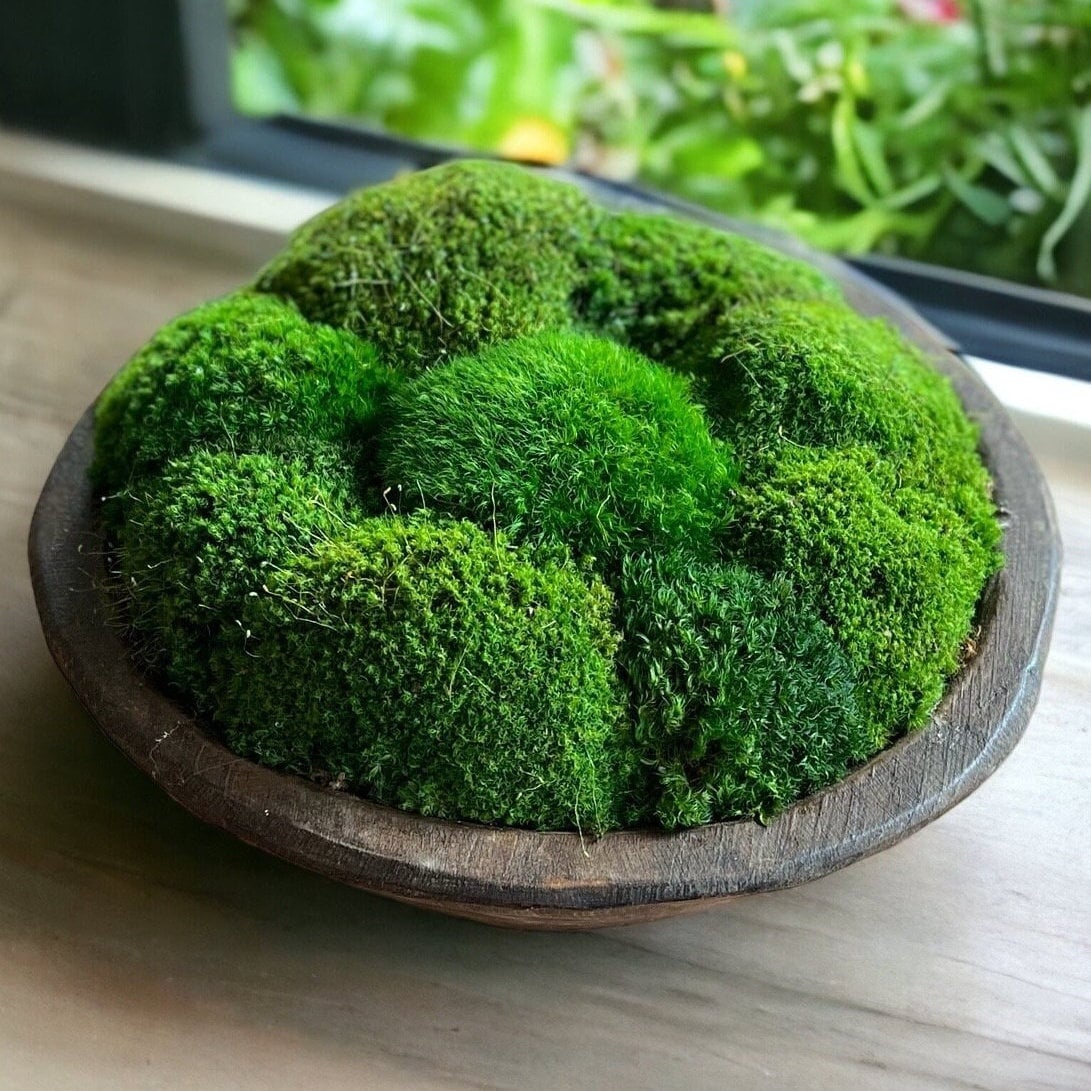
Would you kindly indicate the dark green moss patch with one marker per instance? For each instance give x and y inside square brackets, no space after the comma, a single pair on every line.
[202,538]
[434,667]
[562,438]
[668,287]
[742,699]
[862,482]
[896,572]
[817,374]
[442,262]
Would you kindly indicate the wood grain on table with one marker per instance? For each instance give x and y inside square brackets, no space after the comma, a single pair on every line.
[139,949]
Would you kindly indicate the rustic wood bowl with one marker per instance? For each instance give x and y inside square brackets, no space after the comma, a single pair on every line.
[559,880]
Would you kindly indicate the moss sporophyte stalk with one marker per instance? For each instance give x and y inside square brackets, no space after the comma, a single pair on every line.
[487,503]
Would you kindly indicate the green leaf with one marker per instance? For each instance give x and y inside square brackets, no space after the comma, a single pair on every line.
[257,80]
[697,28]
[985,204]
[927,106]
[1033,158]
[1078,193]
[850,176]
[988,18]
[917,191]
[725,157]
[869,146]
[860,232]
[997,153]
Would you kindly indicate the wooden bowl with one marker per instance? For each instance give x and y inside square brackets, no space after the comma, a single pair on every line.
[560,880]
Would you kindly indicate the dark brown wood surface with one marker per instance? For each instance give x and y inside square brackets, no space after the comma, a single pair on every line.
[559,880]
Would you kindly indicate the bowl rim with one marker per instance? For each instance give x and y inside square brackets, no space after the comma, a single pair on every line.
[622,875]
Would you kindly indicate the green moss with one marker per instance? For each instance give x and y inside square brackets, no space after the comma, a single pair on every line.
[862,482]
[562,438]
[668,287]
[774,631]
[204,536]
[433,667]
[818,374]
[742,698]
[246,374]
[895,571]
[441,262]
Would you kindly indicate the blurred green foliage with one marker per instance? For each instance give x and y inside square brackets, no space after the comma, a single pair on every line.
[955,131]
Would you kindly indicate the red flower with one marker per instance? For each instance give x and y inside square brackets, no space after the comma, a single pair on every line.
[931,11]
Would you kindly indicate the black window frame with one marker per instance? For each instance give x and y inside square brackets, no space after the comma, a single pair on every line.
[153,77]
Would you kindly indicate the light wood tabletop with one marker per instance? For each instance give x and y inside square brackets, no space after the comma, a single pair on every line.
[139,949]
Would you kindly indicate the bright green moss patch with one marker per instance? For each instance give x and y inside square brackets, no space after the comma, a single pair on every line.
[245,374]
[442,262]
[438,669]
[668,287]
[742,699]
[817,374]
[204,537]
[896,572]
[621,520]
[561,438]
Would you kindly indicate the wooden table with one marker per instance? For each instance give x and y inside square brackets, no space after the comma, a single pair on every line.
[140,949]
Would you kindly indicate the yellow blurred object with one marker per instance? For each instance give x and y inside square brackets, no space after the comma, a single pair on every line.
[734,64]
[535,140]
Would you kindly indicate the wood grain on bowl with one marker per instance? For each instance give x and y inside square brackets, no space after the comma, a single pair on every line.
[560,880]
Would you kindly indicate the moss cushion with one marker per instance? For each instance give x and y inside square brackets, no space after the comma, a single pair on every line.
[488,503]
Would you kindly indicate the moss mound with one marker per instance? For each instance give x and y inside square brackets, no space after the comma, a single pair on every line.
[442,262]
[441,671]
[562,438]
[817,374]
[622,518]
[245,373]
[203,538]
[669,287]
[742,698]
[895,571]
[862,483]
